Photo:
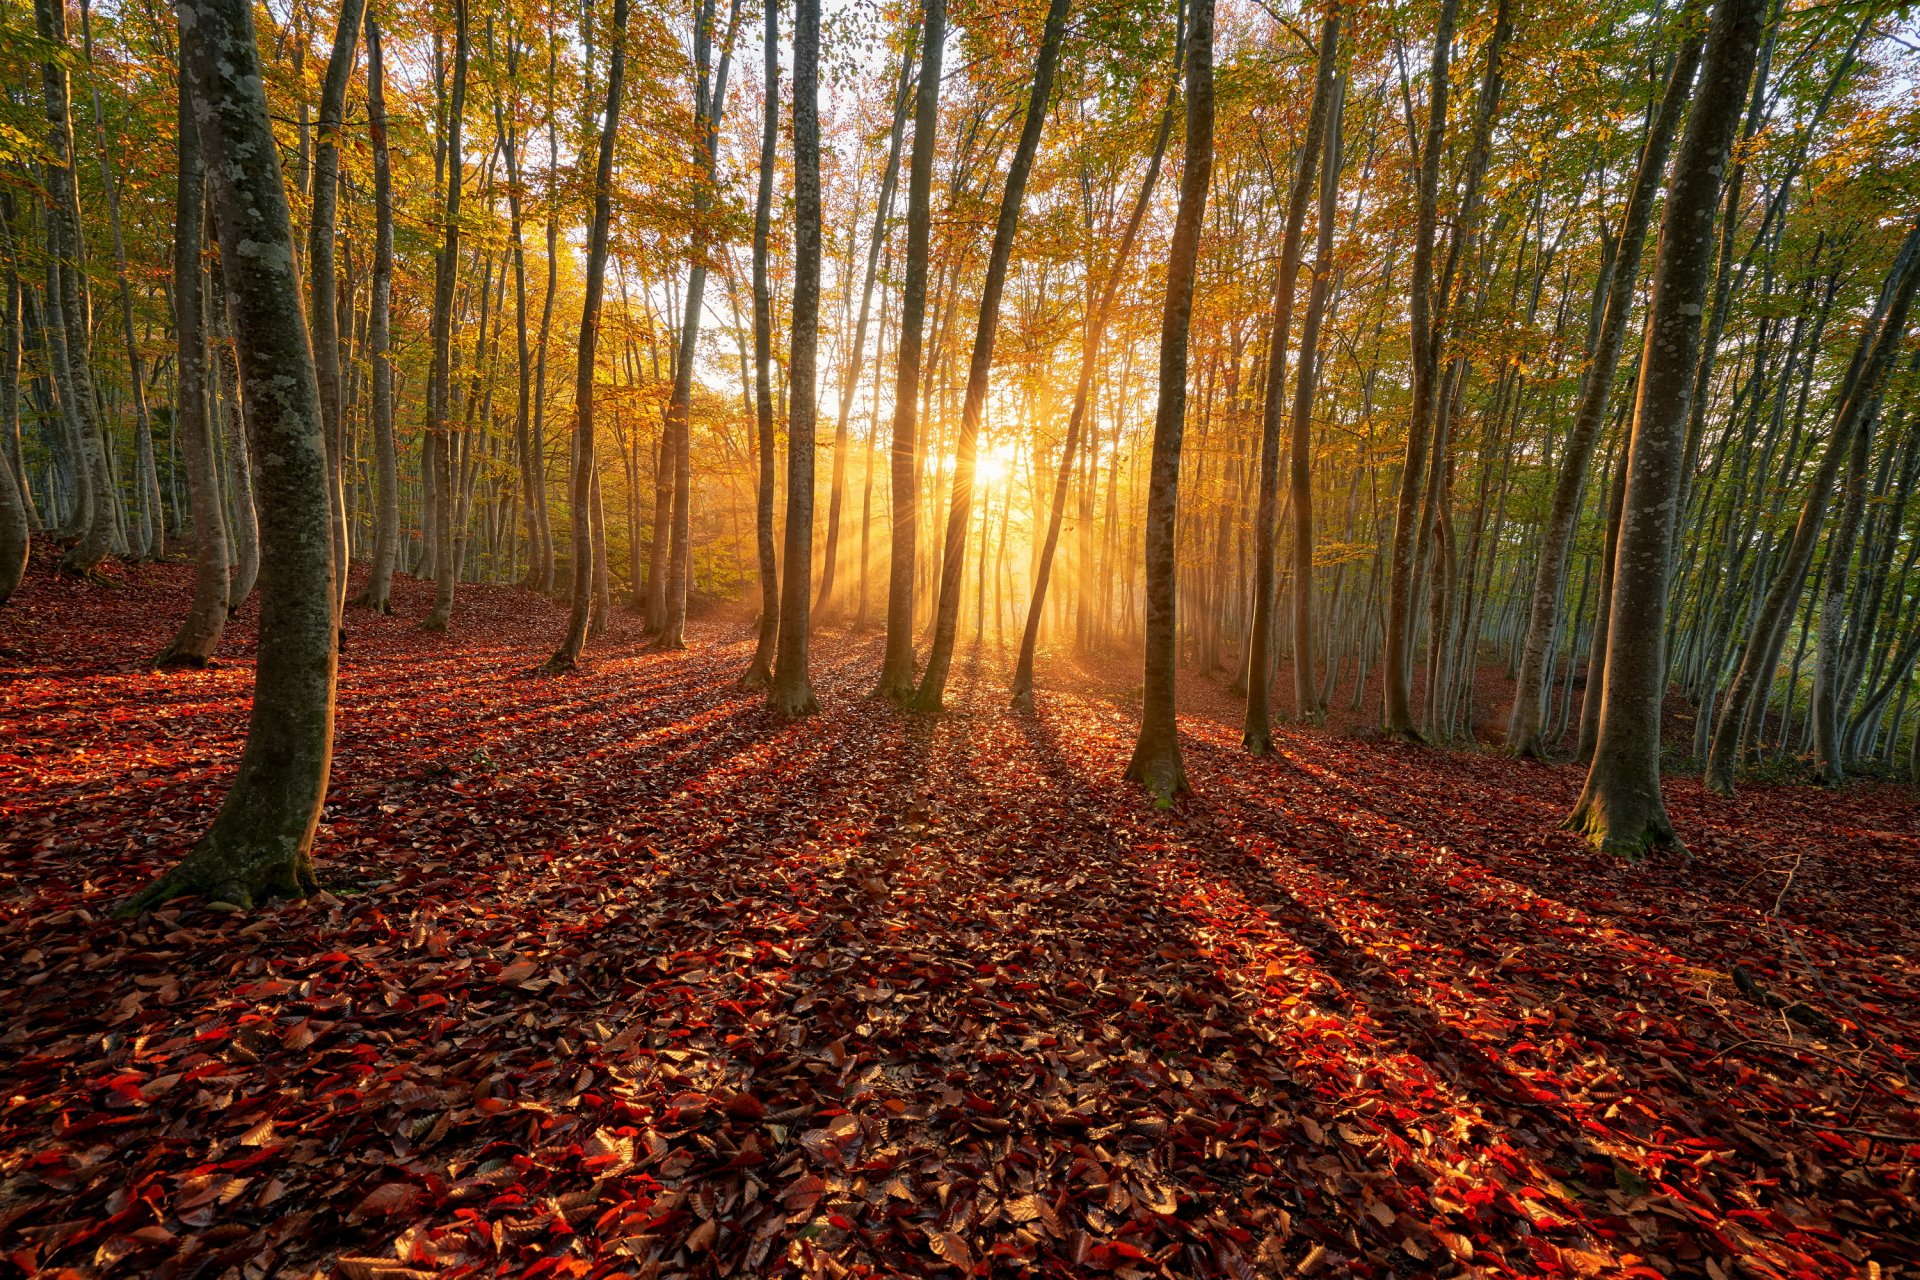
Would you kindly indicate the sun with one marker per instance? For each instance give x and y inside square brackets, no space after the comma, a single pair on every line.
[995,464]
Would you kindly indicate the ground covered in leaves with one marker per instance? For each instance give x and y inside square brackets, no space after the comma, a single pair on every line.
[616,976]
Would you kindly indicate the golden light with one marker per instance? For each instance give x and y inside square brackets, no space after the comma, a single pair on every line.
[995,464]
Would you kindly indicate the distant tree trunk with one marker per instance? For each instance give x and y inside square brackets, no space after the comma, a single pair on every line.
[1308,705]
[1828,716]
[507,127]
[584,477]
[75,314]
[260,842]
[791,694]
[386,538]
[1771,621]
[1396,673]
[16,527]
[322,305]
[1257,733]
[850,382]
[150,535]
[759,673]
[541,570]
[1619,283]
[199,635]
[1621,808]
[1156,762]
[446,267]
[1597,642]
[897,668]
[1022,692]
[953,556]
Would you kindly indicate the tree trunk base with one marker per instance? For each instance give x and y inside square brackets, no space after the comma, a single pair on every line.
[757,676]
[1629,835]
[238,878]
[1158,768]
[790,704]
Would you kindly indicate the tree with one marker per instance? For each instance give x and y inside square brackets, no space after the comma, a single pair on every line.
[759,673]
[378,595]
[1258,732]
[791,694]
[260,842]
[897,668]
[953,557]
[199,635]
[585,476]
[1617,284]
[1621,808]
[439,445]
[1156,762]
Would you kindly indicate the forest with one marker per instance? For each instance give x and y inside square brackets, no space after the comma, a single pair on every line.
[1182,638]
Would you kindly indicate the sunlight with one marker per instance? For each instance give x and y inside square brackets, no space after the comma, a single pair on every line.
[994,466]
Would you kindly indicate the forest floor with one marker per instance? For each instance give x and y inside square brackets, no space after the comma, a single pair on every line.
[616,976]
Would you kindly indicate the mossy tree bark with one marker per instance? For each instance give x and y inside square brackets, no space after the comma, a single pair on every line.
[259,844]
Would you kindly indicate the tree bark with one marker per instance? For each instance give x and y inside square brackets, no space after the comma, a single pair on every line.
[1257,731]
[1156,762]
[791,694]
[199,635]
[446,267]
[759,673]
[1621,808]
[582,604]
[260,842]
[897,668]
[1619,283]
[378,595]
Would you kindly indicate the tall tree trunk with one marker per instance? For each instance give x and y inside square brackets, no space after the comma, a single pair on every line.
[897,668]
[850,381]
[446,267]
[1257,733]
[68,275]
[759,673]
[1306,696]
[1621,807]
[584,467]
[260,842]
[322,305]
[1156,762]
[1396,673]
[791,694]
[386,538]
[199,635]
[953,558]
[1619,283]
[1022,692]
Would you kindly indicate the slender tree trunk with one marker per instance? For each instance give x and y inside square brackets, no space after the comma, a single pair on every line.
[1306,697]
[584,470]
[1156,762]
[260,842]
[850,382]
[897,668]
[791,694]
[953,558]
[378,595]
[1620,284]
[1621,808]
[759,673]
[68,278]
[1257,732]
[322,305]
[1082,398]
[199,635]
[446,268]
